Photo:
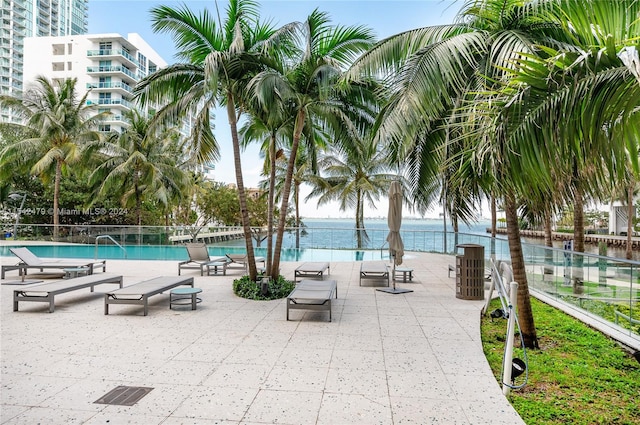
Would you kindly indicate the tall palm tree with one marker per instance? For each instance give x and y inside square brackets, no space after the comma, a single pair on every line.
[219,60]
[434,72]
[355,176]
[587,99]
[63,124]
[308,86]
[139,164]
[273,126]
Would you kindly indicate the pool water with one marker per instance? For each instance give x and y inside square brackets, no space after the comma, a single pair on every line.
[171,252]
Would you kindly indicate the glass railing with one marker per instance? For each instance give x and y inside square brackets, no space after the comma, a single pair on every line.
[112,68]
[115,85]
[604,288]
[113,52]
[109,101]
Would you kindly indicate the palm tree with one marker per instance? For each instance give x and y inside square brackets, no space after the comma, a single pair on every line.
[220,59]
[591,84]
[62,123]
[139,164]
[308,86]
[354,176]
[273,126]
[438,72]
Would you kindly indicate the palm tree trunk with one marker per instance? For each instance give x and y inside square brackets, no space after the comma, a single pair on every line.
[286,190]
[548,234]
[242,196]
[56,199]
[494,225]
[138,207]
[548,241]
[527,324]
[359,220]
[271,202]
[577,273]
[296,200]
[630,207]
[494,216]
[578,219]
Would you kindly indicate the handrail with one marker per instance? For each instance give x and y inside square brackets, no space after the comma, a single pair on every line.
[95,255]
[382,249]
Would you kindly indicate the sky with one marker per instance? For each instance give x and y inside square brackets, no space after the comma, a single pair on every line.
[386,18]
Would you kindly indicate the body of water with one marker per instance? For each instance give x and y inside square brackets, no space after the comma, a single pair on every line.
[321,240]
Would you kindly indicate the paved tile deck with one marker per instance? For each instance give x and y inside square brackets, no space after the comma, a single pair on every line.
[414,358]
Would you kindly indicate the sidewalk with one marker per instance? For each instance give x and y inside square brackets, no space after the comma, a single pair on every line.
[385,359]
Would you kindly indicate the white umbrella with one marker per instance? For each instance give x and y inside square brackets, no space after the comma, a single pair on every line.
[394,220]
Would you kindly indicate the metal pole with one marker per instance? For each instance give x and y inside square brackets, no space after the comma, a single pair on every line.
[15,226]
[508,352]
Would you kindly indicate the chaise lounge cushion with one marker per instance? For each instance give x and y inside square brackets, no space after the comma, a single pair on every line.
[312,295]
[139,293]
[312,269]
[28,260]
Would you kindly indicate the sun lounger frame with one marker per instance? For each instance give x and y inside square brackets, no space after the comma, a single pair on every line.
[42,264]
[242,261]
[375,270]
[199,258]
[46,292]
[312,269]
[202,265]
[312,295]
[149,288]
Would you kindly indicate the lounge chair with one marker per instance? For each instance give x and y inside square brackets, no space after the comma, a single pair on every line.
[312,295]
[242,260]
[28,260]
[139,293]
[45,292]
[311,270]
[199,259]
[374,270]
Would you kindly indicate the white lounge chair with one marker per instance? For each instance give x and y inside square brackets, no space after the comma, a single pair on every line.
[312,295]
[139,293]
[45,292]
[28,260]
[311,270]
[199,259]
[242,260]
[376,270]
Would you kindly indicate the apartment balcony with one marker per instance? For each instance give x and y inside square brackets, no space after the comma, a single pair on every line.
[115,118]
[115,87]
[112,70]
[19,12]
[117,103]
[114,54]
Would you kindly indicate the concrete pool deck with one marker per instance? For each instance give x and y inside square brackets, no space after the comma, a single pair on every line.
[385,358]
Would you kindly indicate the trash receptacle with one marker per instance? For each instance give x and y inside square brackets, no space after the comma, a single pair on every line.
[470,272]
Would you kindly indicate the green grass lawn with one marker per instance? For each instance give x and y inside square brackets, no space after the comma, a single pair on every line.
[578,376]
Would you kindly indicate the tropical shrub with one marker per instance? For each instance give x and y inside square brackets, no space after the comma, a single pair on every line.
[245,287]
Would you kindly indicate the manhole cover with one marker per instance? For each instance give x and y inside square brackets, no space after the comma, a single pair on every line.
[123,395]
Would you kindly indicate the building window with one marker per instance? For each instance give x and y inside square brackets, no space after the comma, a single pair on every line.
[105,47]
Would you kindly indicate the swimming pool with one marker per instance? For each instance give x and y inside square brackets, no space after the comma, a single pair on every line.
[178,252]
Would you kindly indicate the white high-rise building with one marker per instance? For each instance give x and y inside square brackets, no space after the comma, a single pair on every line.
[32,18]
[106,65]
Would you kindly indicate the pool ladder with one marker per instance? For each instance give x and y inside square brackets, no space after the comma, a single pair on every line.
[95,255]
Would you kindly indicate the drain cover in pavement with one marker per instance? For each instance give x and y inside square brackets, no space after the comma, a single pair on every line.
[124,396]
